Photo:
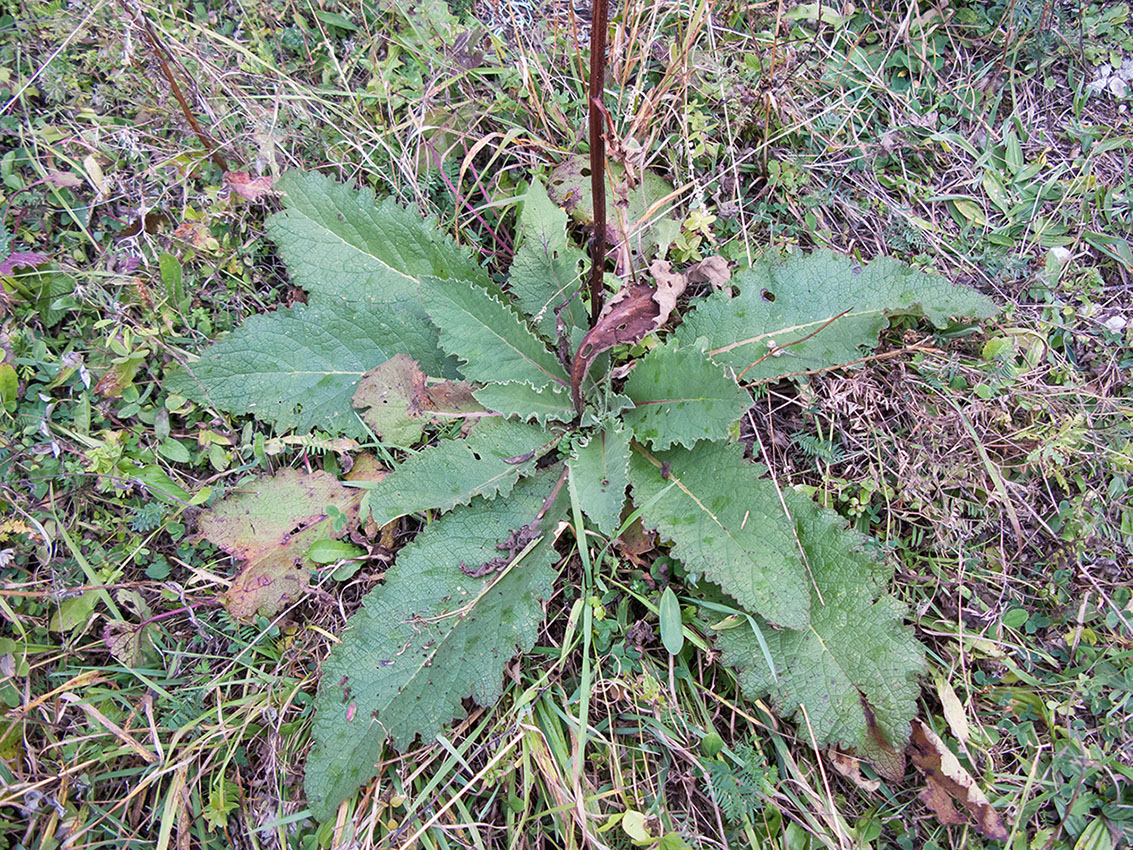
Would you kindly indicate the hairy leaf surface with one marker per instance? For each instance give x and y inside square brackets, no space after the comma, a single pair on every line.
[682,397]
[726,522]
[493,343]
[488,463]
[545,274]
[429,637]
[855,666]
[600,470]
[298,367]
[787,318]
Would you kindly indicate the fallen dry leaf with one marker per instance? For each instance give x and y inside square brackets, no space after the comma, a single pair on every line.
[119,376]
[63,179]
[670,285]
[712,270]
[127,642]
[197,234]
[886,759]
[384,394]
[851,768]
[248,187]
[947,782]
[636,540]
[268,524]
[446,400]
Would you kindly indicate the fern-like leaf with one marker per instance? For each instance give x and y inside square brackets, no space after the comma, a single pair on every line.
[429,637]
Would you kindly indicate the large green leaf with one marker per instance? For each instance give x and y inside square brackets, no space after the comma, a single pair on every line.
[682,397]
[854,668]
[726,522]
[545,274]
[298,367]
[600,473]
[787,317]
[340,243]
[493,343]
[363,263]
[429,637]
[488,463]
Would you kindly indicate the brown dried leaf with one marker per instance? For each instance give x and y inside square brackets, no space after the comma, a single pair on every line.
[197,234]
[366,467]
[268,524]
[713,270]
[383,396]
[851,768]
[266,586]
[637,540]
[628,317]
[248,187]
[119,376]
[127,642]
[397,403]
[446,400]
[670,285]
[947,782]
[885,758]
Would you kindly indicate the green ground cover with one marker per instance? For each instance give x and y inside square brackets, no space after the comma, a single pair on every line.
[990,461]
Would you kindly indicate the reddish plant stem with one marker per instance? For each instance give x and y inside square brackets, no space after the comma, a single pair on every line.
[598,20]
[163,59]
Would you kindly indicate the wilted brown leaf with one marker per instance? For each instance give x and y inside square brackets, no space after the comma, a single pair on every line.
[127,642]
[627,318]
[248,187]
[851,768]
[383,396]
[119,376]
[886,759]
[268,524]
[197,234]
[637,540]
[947,782]
[712,270]
[63,179]
[670,285]
[397,403]
[446,400]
